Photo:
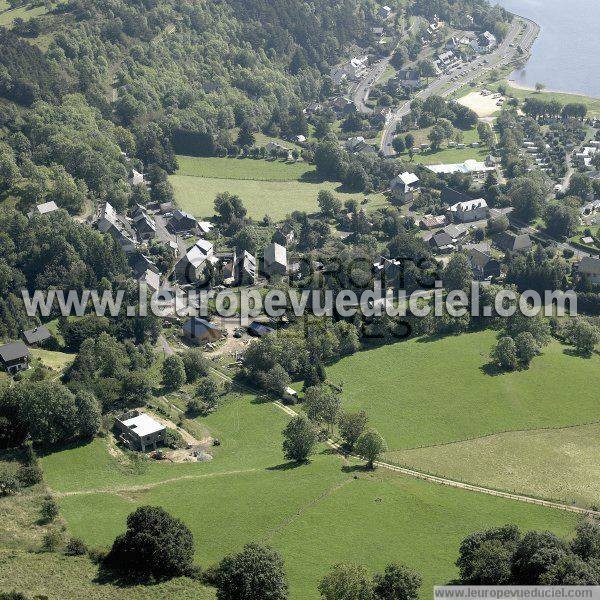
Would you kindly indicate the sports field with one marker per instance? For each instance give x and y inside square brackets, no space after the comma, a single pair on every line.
[273,188]
[315,514]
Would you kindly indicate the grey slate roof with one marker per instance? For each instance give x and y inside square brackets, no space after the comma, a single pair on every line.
[37,335]
[13,351]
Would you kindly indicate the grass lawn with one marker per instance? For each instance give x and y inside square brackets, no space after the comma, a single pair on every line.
[424,392]
[266,188]
[315,514]
[242,168]
[564,465]
[446,155]
[593,104]
[250,436]
[57,361]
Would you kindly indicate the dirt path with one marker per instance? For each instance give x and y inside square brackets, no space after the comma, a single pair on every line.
[147,486]
[442,480]
[289,520]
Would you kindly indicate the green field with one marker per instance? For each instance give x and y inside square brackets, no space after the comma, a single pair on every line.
[7,16]
[563,466]
[315,514]
[446,155]
[424,392]
[62,577]
[242,168]
[266,187]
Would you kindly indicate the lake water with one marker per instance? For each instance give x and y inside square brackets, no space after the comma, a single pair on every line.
[566,55]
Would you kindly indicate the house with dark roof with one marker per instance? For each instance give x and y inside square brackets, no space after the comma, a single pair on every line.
[258,329]
[143,224]
[484,265]
[200,331]
[284,236]
[15,357]
[37,335]
[508,241]
[182,222]
[456,232]
[589,267]
[442,242]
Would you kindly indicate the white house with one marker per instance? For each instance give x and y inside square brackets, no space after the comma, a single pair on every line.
[405,186]
[469,211]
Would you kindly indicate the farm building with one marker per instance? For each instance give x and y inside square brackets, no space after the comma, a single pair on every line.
[140,431]
[15,357]
[200,331]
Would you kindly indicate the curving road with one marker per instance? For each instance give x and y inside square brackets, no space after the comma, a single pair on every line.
[522,32]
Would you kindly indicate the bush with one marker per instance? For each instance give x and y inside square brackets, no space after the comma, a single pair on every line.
[9,483]
[174,440]
[97,555]
[49,510]
[30,475]
[51,541]
[76,547]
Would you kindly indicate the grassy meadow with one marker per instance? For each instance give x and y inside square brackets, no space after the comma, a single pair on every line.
[314,514]
[434,391]
[564,465]
[267,187]
[446,155]
[8,15]
[435,400]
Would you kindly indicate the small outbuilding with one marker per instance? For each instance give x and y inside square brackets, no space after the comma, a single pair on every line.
[258,329]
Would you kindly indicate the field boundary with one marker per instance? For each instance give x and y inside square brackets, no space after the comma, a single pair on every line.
[434,478]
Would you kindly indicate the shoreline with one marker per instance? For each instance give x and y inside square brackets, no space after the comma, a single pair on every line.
[529,88]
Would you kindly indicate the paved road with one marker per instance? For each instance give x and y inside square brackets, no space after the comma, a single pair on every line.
[363,89]
[444,86]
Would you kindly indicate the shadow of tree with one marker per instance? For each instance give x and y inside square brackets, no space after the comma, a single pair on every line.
[288,466]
